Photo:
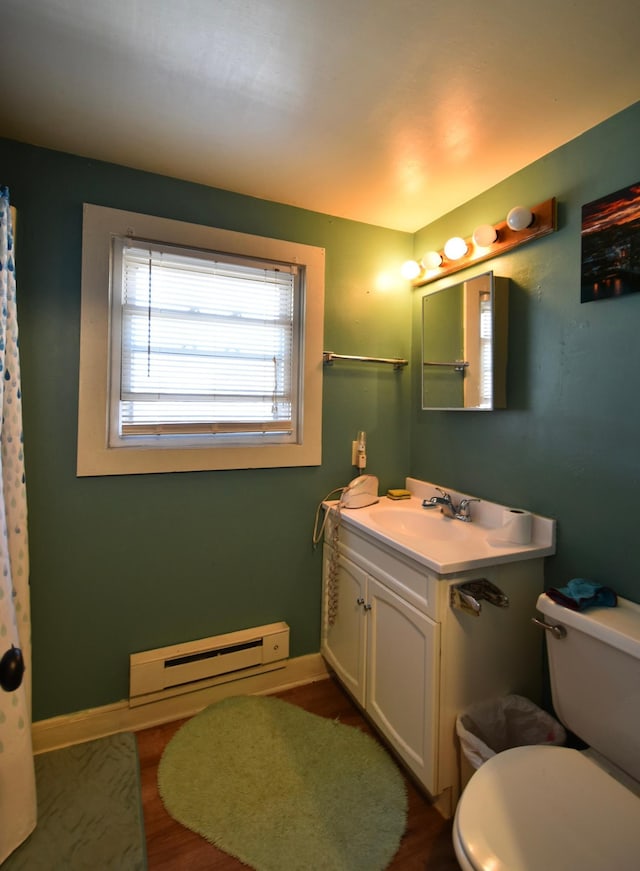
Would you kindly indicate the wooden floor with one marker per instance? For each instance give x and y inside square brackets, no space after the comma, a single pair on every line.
[426,843]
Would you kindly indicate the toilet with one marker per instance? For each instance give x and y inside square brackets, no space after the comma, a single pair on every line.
[547,808]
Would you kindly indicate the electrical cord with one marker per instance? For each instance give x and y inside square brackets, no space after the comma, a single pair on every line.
[332,569]
[317,534]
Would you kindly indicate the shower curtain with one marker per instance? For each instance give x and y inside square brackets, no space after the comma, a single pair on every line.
[17,776]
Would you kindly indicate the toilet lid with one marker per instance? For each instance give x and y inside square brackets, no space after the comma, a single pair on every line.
[543,807]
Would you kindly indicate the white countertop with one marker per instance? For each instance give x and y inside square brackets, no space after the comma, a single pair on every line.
[448,545]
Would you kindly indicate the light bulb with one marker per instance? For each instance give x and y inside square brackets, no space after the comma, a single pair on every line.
[410,269]
[431,260]
[519,218]
[455,248]
[485,235]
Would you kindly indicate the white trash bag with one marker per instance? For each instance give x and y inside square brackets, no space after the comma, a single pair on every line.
[490,727]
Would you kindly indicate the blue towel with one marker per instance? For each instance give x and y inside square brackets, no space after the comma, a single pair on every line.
[580,594]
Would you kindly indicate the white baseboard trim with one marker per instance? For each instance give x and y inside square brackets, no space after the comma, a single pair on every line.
[120,717]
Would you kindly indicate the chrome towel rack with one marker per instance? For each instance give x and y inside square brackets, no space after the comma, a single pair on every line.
[397,362]
[458,365]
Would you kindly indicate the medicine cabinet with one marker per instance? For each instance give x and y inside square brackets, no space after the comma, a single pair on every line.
[464,345]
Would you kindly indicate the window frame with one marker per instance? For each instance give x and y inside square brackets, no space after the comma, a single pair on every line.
[94,455]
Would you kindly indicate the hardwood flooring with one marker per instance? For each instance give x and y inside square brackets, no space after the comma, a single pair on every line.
[426,843]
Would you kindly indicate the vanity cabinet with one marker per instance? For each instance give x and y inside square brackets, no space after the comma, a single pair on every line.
[344,638]
[386,653]
[412,662]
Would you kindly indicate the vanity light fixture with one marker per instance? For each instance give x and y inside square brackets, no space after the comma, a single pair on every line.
[488,240]
[455,248]
[410,269]
[484,235]
[431,260]
[519,218]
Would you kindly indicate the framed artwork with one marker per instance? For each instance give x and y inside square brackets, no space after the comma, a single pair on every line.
[611,245]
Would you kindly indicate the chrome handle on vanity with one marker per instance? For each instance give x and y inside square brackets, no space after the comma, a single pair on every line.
[557,631]
[469,595]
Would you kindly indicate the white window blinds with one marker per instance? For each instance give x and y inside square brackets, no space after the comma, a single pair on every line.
[209,343]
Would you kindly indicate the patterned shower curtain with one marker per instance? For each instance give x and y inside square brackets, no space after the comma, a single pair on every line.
[17,777]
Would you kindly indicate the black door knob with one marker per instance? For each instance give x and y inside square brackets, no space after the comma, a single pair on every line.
[11,669]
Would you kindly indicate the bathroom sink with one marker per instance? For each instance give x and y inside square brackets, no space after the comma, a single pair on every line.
[445,544]
[426,524]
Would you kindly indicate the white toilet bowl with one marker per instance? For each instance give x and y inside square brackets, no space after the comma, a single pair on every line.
[544,808]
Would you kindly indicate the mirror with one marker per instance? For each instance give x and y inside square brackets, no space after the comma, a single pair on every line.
[464,345]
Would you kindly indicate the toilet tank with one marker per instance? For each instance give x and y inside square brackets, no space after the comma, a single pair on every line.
[595,677]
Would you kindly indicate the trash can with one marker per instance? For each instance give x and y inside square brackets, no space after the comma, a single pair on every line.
[495,725]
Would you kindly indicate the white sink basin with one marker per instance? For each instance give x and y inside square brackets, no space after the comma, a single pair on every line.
[426,524]
[442,543]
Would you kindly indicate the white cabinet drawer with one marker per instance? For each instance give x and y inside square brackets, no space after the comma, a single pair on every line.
[407,578]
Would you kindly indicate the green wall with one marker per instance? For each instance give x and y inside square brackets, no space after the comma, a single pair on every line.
[128,563]
[567,445]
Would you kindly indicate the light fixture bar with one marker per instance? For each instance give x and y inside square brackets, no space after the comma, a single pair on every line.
[544,222]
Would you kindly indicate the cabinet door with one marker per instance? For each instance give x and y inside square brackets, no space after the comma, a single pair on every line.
[343,641]
[403,659]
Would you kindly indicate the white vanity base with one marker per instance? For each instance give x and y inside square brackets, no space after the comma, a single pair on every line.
[412,662]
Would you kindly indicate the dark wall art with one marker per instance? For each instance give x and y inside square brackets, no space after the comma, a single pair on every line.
[611,245]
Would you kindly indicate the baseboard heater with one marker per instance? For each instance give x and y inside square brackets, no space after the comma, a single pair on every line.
[181,668]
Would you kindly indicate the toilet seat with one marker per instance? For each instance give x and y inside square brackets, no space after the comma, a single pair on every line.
[543,807]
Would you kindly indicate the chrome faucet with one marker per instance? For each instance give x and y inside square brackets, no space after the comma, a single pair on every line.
[448,507]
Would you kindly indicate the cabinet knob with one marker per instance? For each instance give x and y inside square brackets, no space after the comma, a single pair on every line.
[367,607]
[359,601]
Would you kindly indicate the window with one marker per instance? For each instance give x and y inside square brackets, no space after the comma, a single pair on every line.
[202,344]
[200,349]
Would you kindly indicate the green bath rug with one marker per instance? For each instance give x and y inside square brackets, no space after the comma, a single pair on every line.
[284,790]
[89,810]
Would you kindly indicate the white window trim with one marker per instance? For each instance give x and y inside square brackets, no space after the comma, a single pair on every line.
[95,457]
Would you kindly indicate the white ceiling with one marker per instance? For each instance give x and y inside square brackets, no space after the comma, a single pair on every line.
[391,112]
